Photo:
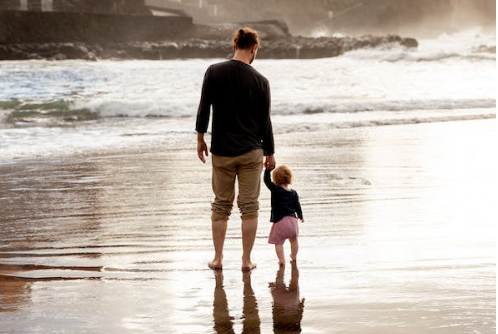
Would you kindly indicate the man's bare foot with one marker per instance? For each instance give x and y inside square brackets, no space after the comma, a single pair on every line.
[215,265]
[248,267]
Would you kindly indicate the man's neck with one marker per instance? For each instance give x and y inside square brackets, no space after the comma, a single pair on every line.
[242,56]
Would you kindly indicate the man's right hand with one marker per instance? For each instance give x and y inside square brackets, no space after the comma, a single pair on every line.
[202,148]
[270,162]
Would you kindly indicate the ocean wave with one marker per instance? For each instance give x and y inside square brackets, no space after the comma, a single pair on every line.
[467,45]
[483,48]
[356,106]
[326,125]
[417,56]
[16,112]
[57,112]
[110,135]
[443,55]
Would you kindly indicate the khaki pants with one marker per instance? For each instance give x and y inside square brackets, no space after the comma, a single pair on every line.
[247,168]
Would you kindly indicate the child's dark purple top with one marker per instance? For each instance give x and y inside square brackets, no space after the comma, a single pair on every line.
[283,202]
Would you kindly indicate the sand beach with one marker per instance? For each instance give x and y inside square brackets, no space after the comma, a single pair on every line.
[400,237]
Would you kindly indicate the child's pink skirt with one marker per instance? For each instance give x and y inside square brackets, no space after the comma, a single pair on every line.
[284,229]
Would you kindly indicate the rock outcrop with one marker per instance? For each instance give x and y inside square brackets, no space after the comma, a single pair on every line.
[58,36]
[281,48]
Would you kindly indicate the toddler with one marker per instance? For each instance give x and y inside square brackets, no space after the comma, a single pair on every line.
[284,208]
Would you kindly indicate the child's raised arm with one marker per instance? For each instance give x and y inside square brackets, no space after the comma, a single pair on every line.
[270,185]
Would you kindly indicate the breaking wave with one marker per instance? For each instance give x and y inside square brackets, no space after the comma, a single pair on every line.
[54,112]
[468,45]
[402,55]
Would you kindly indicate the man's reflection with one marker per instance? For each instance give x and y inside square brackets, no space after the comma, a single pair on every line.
[287,306]
[223,322]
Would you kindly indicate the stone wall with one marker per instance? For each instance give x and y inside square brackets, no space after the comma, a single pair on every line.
[10,5]
[82,6]
[44,27]
[103,6]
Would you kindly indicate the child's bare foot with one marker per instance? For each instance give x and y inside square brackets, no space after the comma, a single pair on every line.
[215,265]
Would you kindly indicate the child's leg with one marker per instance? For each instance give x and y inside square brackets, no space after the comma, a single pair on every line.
[280,253]
[294,248]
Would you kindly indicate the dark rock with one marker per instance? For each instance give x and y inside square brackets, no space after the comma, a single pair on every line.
[485,49]
[59,56]
[11,52]
[409,42]
[73,51]
[33,56]
[91,56]
[283,48]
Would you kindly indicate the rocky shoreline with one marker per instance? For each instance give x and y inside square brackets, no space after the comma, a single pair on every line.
[289,47]
[60,36]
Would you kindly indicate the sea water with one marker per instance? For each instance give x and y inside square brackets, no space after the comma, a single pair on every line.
[52,108]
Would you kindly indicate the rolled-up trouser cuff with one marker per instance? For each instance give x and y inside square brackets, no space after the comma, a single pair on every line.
[250,216]
[221,209]
[219,216]
[249,209]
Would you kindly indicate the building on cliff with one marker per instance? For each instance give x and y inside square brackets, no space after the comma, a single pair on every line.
[128,7]
[86,21]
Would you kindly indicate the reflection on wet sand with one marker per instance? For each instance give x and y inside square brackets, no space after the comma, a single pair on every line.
[44,204]
[287,306]
[223,322]
[117,243]
[35,203]
[13,293]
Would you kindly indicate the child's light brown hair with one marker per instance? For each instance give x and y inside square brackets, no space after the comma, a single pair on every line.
[282,175]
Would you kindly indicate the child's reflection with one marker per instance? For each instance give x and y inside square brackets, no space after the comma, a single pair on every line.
[223,322]
[287,306]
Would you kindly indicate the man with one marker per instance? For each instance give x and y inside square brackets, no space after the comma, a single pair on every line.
[241,135]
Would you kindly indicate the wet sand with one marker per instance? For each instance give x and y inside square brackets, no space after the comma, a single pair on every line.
[399,238]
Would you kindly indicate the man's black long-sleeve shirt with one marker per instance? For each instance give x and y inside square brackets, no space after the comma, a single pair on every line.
[283,202]
[240,97]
